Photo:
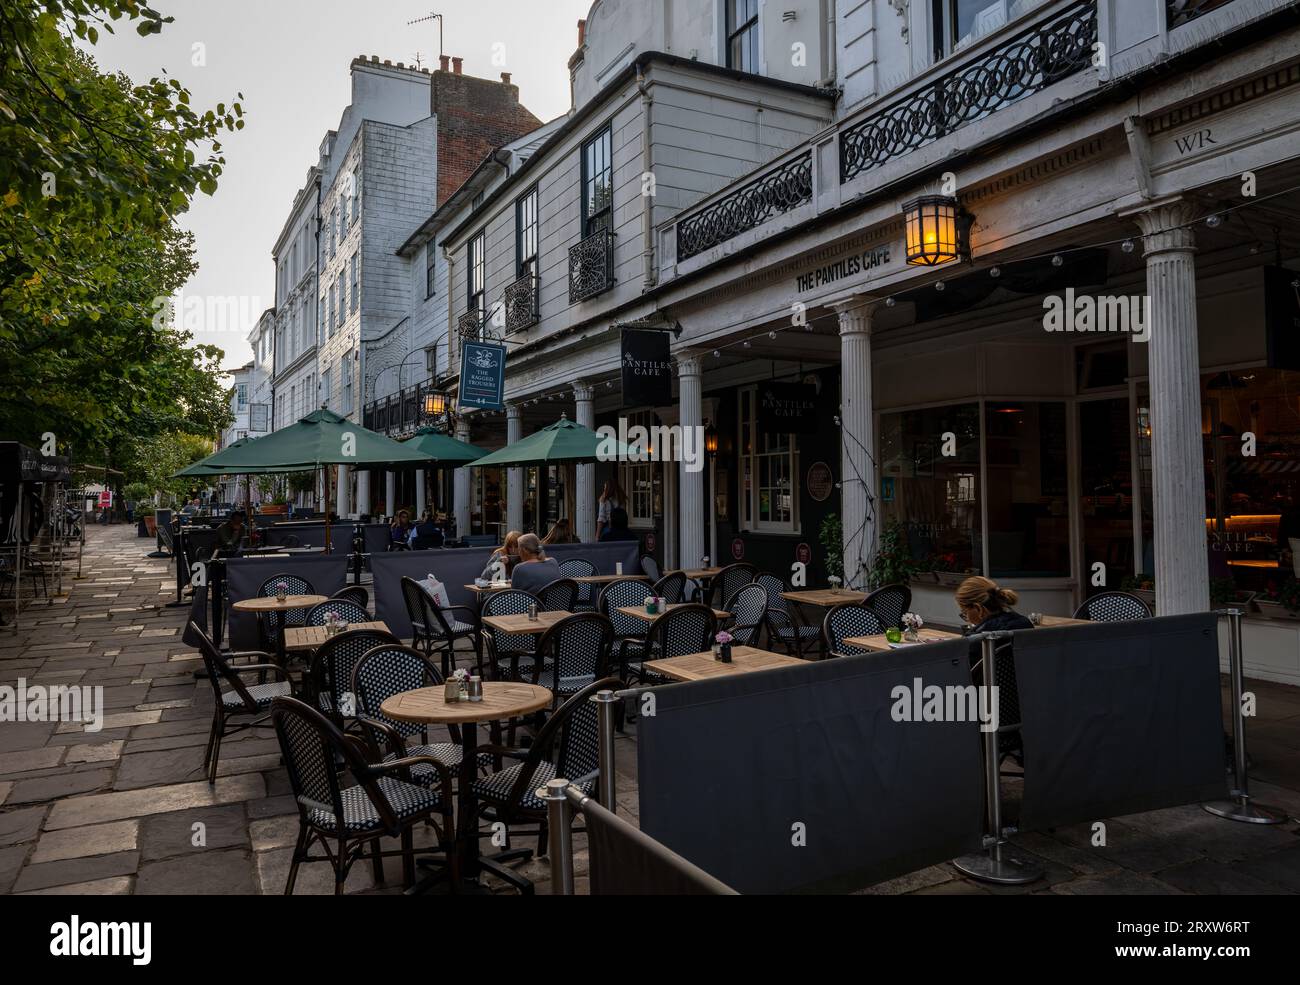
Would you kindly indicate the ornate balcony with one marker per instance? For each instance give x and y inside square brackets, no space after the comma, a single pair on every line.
[769,195]
[1179,12]
[1030,61]
[471,325]
[521,303]
[400,414]
[591,266]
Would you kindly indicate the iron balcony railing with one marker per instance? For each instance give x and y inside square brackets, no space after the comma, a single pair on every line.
[471,324]
[521,303]
[400,413]
[748,207]
[1180,12]
[591,266]
[1028,62]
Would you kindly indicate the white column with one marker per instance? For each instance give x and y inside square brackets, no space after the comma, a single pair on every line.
[1177,465]
[514,477]
[713,510]
[420,498]
[668,554]
[461,492]
[690,398]
[343,495]
[390,493]
[363,490]
[584,498]
[857,442]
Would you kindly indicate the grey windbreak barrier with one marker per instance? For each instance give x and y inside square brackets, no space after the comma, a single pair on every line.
[800,779]
[245,575]
[1119,718]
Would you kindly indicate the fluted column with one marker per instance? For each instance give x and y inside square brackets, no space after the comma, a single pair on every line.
[514,477]
[857,442]
[461,490]
[390,493]
[1174,371]
[690,515]
[363,490]
[343,494]
[584,499]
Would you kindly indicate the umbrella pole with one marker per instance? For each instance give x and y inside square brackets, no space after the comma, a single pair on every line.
[325,481]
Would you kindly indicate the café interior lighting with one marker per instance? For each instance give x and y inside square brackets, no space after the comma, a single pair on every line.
[435,403]
[936,231]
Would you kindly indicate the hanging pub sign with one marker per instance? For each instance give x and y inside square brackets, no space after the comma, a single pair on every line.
[482,375]
[647,368]
[789,408]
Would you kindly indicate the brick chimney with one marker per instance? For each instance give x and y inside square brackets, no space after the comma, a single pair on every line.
[505,78]
[582,33]
[444,63]
[455,65]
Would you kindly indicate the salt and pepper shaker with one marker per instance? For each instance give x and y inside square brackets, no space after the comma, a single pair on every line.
[532,612]
[476,689]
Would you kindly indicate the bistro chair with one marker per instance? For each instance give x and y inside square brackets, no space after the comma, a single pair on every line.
[574,652]
[783,623]
[748,607]
[671,587]
[580,567]
[345,609]
[558,596]
[329,676]
[436,630]
[687,629]
[650,568]
[568,745]
[248,703]
[382,801]
[354,593]
[845,620]
[394,668]
[730,580]
[508,651]
[1113,607]
[889,603]
[273,623]
[616,594]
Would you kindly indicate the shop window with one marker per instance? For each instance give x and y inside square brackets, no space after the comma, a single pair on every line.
[640,480]
[1025,487]
[769,473]
[929,484]
[742,35]
[958,23]
[597,183]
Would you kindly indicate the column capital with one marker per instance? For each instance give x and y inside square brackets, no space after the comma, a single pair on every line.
[514,410]
[855,314]
[582,390]
[689,363]
[1166,226]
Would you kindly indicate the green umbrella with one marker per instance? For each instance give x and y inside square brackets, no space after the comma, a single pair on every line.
[201,468]
[443,448]
[563,441]
[320,438]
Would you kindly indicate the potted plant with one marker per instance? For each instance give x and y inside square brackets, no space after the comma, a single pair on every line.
[1280,601]
[831,538]
[893,564]
[148,518]
[1143,586]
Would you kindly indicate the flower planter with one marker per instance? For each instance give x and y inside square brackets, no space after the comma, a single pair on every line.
[950,579]
[151,526]
[280,510]
[1276,610]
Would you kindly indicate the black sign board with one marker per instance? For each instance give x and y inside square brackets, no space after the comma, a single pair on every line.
[482,375]
[1282,317]
[647,369]
[18,463]
[789,408]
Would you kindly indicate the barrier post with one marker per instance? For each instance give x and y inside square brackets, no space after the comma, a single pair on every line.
[605,702]
[1238,806]
[558,817]
[995,864]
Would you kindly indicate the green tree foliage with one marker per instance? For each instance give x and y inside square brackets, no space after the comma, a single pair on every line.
[93,172]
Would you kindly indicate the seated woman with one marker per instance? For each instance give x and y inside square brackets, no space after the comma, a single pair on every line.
[535,570]
[507,554]
[560,533]
[987,607]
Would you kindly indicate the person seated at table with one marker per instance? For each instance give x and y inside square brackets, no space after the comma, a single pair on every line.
[507,554]
[400,529]
[618,529]
[230,535]
[560,533]
[425,534]
[535,570]
[987,607]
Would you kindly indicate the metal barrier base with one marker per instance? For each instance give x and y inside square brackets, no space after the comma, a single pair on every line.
[1247,811]
[1008,870]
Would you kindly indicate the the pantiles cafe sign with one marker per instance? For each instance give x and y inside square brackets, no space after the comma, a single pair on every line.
[869,259]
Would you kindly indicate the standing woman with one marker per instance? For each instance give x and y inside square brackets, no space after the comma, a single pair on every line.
[612,497]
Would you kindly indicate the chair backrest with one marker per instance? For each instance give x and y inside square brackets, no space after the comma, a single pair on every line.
[733,578]
[685,629]
[355,593]
[558,596]
[217,667]
[624,592]
[580,567]
[386,670]
[198,615]
[577,647]
[312,745]
[332,664]
[671,587]
[1113,607]
[345,609]
[749,607]
[424,542]
[509,602]
[419,607]
[295,585]
[774,586]
[650,567]
[889,603]
[849,619]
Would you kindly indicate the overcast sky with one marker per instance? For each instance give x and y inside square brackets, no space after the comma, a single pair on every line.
[290,60]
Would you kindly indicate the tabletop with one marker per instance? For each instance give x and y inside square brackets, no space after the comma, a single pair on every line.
[269,603]
[299,638]
[606,579]
[700,666]
[879,642]
[639,611]
[824,597]
[501,700]
[496,586]
[696,574]
[1049,621]
[520,623]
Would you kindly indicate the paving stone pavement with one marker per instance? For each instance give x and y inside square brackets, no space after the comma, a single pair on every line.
[117,811]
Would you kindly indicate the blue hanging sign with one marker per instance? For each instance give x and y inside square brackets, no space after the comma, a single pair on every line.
[482,375]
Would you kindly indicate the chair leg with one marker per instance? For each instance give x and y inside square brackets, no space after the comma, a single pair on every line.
[377,862]
[299,853]
[217,736]
[340,872]
[542,844]
[216,727]
[408,857]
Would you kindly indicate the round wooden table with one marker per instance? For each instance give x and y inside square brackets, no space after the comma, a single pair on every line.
[261,605]
[501,700]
